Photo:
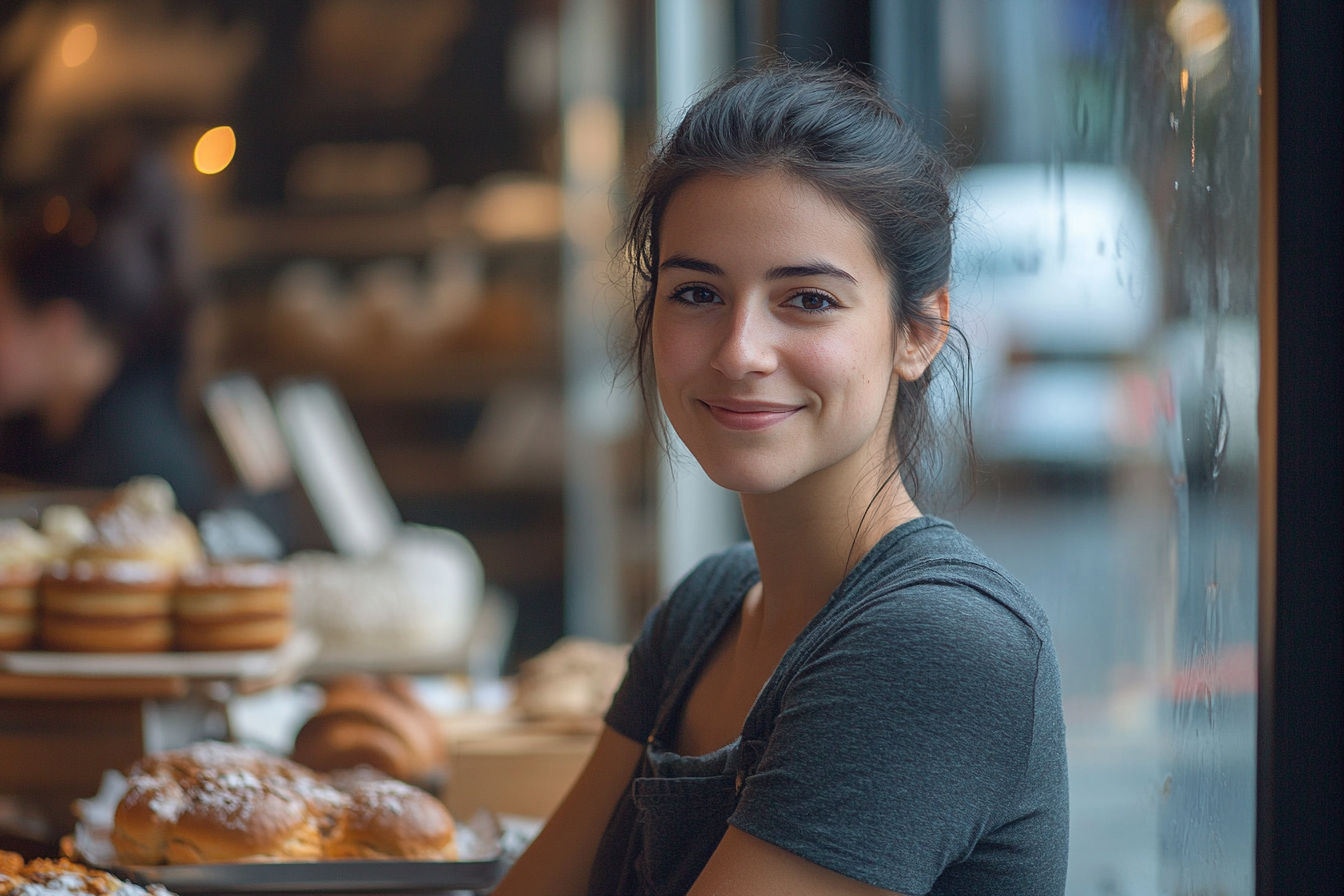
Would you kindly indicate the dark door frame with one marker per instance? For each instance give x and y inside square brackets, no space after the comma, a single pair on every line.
[1298,832]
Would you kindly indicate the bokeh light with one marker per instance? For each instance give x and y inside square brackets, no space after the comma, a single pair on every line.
[56,214]
[79,44]
[215,150]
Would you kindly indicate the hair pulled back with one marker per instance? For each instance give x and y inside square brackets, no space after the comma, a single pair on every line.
[830,128]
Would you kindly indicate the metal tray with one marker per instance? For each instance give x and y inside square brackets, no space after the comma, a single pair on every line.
[345,876]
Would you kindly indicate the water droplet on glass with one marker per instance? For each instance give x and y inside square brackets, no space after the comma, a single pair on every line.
[1218,426]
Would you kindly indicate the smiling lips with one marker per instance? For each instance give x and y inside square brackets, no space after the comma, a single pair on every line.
[748,416]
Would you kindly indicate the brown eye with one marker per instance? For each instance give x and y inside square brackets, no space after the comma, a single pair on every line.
[812,301]
[696,295]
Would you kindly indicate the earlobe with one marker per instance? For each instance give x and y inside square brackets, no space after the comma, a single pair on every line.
[921,341]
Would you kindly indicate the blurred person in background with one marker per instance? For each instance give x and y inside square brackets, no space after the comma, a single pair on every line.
[95,300]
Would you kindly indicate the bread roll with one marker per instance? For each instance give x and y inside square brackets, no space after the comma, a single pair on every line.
[214,802]
[144,817]
[235,816]
[391,819]
[368,722]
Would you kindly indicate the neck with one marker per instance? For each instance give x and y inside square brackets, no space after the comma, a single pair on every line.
[810,535]
[84,376]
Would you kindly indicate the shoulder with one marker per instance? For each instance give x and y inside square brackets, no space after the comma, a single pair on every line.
[935,580]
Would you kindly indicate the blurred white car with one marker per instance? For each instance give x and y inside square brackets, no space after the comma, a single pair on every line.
[1056,273]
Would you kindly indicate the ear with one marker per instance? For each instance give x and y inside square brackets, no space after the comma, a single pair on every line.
[922,340]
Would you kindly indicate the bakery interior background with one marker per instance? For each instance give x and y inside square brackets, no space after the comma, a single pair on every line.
[403,210]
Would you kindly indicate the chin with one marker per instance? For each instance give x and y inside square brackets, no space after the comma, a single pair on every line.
[749,479]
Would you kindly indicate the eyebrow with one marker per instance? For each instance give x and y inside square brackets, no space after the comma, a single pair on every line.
[783,272]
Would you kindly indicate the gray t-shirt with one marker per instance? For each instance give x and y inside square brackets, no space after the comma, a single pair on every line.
[912,737]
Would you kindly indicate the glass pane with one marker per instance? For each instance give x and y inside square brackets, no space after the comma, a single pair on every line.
[1106,275]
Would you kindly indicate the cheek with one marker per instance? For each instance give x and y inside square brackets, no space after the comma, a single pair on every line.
[853,370]
[675,353]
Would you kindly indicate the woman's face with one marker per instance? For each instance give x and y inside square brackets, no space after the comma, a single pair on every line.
[773,338]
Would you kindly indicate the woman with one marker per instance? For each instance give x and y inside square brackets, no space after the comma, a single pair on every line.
[92,324]
[858,701]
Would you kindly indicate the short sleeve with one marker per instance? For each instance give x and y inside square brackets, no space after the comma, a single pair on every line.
[901,739]
[634,709]
[672,633]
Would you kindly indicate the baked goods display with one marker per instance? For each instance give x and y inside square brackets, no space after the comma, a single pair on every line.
[373,722]
[131,577]
[62,877]
[233,606]
[573,681]
[215,802]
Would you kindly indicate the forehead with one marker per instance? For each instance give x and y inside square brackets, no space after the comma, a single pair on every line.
[771,213]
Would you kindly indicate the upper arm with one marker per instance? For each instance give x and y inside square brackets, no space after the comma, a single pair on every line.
[749,866]
[559,861]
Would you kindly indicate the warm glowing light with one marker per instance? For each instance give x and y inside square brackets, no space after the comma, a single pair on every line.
[56,214]
[214,151]
[79,44]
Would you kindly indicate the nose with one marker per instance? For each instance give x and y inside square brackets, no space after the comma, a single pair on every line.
[745,347]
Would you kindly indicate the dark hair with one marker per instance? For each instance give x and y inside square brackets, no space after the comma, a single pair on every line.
[119,252]
[832,129]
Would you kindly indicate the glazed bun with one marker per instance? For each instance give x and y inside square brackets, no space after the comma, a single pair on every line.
[235,816]
[392,820]
[144,817]
[215,802]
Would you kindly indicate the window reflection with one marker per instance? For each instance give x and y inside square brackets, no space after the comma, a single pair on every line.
[1106,273]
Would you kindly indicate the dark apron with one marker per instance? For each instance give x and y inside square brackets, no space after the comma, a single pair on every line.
[676,810]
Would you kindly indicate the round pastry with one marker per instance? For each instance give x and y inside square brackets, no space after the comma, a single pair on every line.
[112,607]
[233,606]
[235,816]
[390,819]
[144,818]
[365,722]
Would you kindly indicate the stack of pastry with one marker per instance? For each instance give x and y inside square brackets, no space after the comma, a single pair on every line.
[61,877]
[114,594]
[374,722]
[22,553]
[232,606]
[215,802]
